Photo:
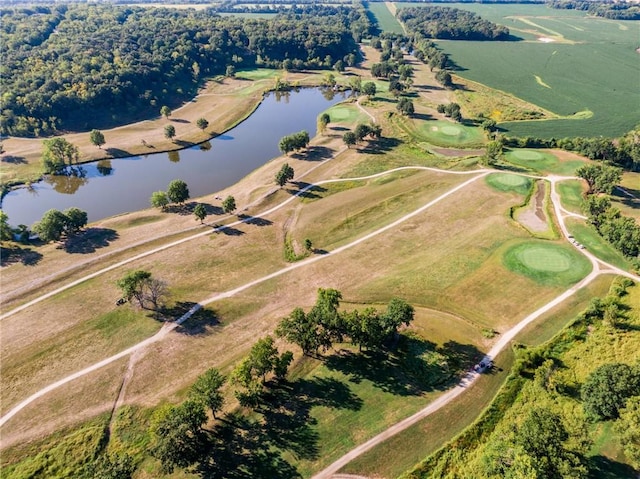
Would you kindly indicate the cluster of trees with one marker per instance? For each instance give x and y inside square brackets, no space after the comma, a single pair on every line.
[125,60]
[621,231]
[177,192]
[324,325]
[54,224]
[140,287]
[361,131]
[450,23]
[623,152]
[294,142]
[405,106]
[252,372]
[611,10]
[450,110]
[57,154]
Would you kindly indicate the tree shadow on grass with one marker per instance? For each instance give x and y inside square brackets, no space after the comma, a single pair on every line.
[228,230]
[380,146]
[175,312]
[254,220]
[314,153]
[602,467]
[90,240]
[16,254]
[242,447]
[14,160]
[311,193]
[183,143]
[117,152]
[416,367]
[204,321]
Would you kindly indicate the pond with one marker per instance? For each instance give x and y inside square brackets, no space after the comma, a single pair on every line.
[110,187]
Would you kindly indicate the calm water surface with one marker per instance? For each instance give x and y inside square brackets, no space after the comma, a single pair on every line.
[116,186]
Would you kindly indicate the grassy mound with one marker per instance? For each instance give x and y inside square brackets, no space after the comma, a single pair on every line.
[444,133]
[541,162]
[509,182]
[346,113]
[547,263]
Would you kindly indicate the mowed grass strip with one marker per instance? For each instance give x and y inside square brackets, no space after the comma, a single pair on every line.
[596,244]
[385,20]
[571,195]
[445,133]
[546,262]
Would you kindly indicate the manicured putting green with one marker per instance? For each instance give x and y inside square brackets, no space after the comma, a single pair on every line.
[527,155]
[509,182]
[542,258]
[445,133]
[547,263]
[451,130]
[345,113]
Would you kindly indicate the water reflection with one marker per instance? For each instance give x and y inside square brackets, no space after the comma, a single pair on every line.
[68,182]
[104,167]
[110,187]
[174,156]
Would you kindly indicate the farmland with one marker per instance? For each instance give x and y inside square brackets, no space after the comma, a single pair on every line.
[586,73]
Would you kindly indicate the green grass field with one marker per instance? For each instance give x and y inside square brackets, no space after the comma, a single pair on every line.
[445,133]
[347,113]
[547,263]
[541,162]
[509,182]
[590,66]
[589,237]
[571,195]
[386,21]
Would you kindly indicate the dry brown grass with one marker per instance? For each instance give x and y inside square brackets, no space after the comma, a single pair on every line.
[447,258]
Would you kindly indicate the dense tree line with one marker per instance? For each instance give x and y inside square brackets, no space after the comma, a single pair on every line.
[62,63]
[623,152]
[621,231]
[450,24]
[612,10]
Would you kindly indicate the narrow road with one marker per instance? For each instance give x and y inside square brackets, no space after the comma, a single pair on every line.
[166,328]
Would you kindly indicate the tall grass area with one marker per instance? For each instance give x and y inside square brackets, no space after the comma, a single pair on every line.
[589,67]
[550,377]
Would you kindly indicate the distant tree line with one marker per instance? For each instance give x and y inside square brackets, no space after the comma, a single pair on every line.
[450,24]
[63,63]
[612,10]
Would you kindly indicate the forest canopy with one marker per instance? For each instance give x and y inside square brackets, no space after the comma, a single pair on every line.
[64,62]
[450,24]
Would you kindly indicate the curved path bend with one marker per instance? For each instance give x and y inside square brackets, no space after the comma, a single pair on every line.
[166,328]
[598,267]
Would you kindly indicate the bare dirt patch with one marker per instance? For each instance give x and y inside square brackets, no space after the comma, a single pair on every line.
[533,216]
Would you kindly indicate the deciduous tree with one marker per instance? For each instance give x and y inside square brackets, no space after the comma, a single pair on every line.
[200,212]
[96,137]
[169,132]
[57,154]
[165,111]
[607,389]
[207,390]
[349,139]
[159,199]
[202,123]
[229,204]
[51,226]
[178,191]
